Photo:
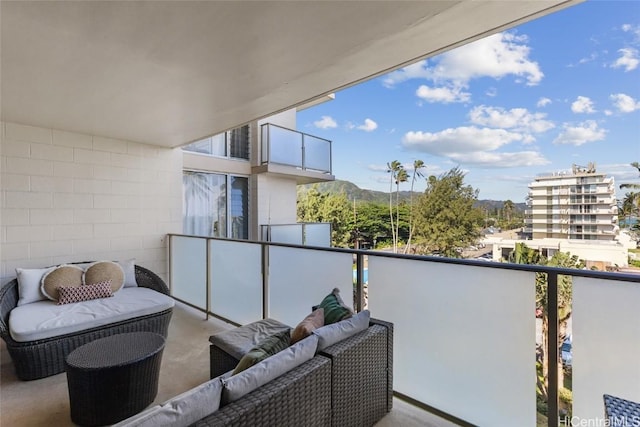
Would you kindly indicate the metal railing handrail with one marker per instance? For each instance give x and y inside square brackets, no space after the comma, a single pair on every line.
[552,291]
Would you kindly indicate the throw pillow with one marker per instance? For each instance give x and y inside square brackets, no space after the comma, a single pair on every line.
[334,308]
[29,281]
[64,275]
[105,270]
[69,294]
[310,323]
[331,334]
[129,268]
[267,347]
[270,368]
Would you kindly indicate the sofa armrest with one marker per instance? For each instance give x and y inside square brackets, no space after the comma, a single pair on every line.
[362,381]
[148,279]
[301,397]
[8,301]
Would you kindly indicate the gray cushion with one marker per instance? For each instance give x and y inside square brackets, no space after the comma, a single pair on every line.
[270,368]
[129,267]
[29,284]
[237,342]
[183,410]
[336,332]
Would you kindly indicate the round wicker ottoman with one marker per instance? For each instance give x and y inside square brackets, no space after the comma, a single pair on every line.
[113,378]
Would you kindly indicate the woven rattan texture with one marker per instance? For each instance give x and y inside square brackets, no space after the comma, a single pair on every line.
[38,359]
[113,378]
[360,381]
[621,412]
[301,397]
[220,361]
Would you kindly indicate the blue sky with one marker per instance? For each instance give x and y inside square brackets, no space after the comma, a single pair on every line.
[559,90]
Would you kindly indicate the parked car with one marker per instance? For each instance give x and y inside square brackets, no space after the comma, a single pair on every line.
[565,352]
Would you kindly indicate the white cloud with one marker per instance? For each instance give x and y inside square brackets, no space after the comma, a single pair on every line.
[377,168]
[581,134]
[473,146]
[444,95]
[496,56]
[326,122]
[492,92]
[608,113]
[583,104]
[589,58]
[628,59]
[517,119]
[543,102]
[368,126]
[624,103]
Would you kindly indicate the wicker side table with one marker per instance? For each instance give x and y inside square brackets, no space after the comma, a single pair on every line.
[112,378]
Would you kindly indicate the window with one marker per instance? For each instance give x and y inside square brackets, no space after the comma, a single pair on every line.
[209,199]
[233,144]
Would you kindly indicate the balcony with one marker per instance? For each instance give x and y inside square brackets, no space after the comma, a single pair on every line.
[450,342]
[185,364]
[311,234]
[287,152]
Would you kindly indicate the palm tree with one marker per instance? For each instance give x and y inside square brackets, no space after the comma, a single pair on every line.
[392,168]
[631,203]
[417,165]
[401,176]
[508,208]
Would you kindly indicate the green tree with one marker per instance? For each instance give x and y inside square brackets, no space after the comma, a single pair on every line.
[401,176]
[392,168]
[417,173]
[522,254]
[508,207]
[631,203]
[446,218]
[314,206]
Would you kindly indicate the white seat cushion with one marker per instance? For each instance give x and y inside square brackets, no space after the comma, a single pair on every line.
[46,319]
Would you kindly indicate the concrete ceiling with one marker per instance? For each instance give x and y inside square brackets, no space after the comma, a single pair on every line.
[168,73]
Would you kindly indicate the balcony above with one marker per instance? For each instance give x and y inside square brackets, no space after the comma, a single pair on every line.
[287,152]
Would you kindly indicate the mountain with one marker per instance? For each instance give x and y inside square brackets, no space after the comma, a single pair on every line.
[352,192]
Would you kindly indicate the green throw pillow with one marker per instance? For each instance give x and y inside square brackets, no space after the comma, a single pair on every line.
[334,308]
[265,348]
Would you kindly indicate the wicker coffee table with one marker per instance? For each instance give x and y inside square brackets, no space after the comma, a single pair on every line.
[113,378]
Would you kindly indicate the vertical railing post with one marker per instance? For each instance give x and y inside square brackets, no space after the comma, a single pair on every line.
[265,280]
[359,282]
[304,160]
[170,257]
[208,281]
[552,350]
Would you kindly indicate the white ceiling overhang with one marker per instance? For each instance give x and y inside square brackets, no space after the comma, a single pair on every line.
[167,73]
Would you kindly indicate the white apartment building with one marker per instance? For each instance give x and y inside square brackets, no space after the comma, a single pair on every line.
[580,205]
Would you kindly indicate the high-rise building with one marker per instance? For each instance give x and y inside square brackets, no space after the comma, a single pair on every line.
[579,205]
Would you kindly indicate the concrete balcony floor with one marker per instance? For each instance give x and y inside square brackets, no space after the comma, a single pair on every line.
[185,364]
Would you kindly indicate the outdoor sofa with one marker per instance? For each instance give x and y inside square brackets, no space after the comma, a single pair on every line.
[348,383]
[39,350]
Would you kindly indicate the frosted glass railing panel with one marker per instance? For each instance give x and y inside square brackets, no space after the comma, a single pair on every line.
[317,235]
[605,345]
[236,280]
[285,146]
[291,234]
[189,270]
[317,154]
[300,279]
[464,337]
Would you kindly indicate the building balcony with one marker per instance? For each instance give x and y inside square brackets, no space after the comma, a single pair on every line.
[302,233]
[452,348]
[185,364]
[287,152]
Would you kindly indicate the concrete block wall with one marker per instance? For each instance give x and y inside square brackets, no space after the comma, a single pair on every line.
[72,197]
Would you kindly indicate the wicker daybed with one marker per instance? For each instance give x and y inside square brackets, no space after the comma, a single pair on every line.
[41,358]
